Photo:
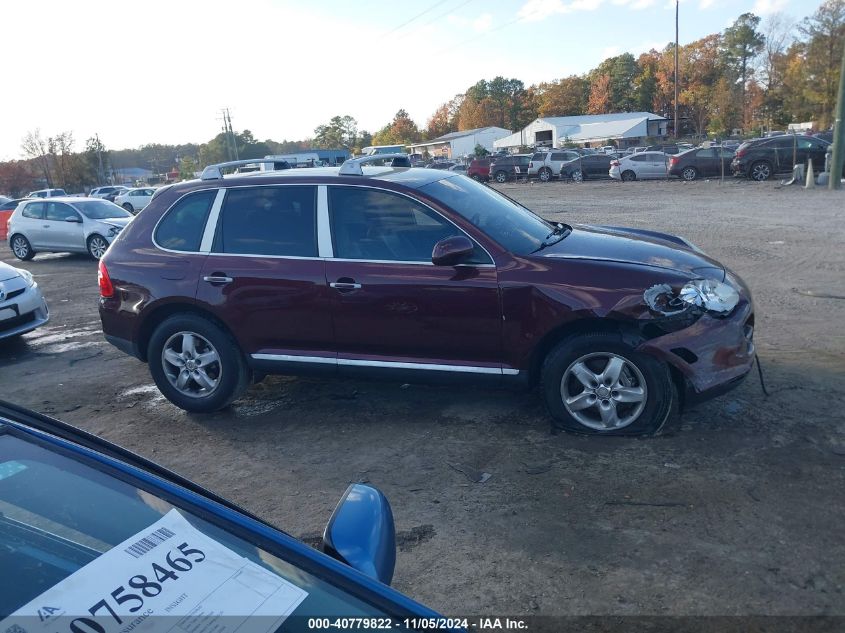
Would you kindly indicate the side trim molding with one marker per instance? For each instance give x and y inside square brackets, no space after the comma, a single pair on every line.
[355,362]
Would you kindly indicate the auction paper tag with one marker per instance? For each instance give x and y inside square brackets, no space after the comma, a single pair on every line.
[168,577]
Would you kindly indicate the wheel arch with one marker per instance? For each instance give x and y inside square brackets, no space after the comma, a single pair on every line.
[629,332]
[160,313]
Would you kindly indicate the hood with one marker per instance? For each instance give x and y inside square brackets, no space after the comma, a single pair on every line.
[634,246]
[7,272]
[119,222]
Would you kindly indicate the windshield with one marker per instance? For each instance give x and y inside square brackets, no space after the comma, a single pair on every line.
[78,538]
[511,225]
[101,210]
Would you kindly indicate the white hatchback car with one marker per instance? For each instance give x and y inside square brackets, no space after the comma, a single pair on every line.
[135,199]
[642,166]
[22,306]
[75,225]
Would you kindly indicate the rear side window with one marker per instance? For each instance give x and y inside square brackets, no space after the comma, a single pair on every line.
[640,158]
[279,221]
[539,156]
[182,228]
[34,210]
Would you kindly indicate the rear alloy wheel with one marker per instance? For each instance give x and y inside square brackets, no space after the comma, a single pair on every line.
[628,176]
[689,173]
[577,176]
[97,246]
[501,177]
[196,364]
[545,174]
[22,248]
[129,207]
[760,171]
[596,384]
[476,177]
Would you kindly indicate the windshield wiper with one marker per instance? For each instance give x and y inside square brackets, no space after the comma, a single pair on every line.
[560,232]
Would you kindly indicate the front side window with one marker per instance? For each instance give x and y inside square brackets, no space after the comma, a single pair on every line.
[182,228]
[65,525]
[34,210]
[509,224]
[59,212]
[368,224]
[280,221]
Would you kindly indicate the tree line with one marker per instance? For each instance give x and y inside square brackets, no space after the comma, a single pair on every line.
[755,75]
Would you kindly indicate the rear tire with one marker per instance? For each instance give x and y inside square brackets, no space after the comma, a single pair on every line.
[760,171]
[595,384]
[501,177]
[196,364]
[476,177]
[129,208]
[628,176]
[545,174]
[22,248]
[577,176]
[689,174]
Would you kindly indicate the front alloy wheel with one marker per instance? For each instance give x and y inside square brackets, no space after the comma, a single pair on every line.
[597,384]
[191,364]
[603,391]
[97,246]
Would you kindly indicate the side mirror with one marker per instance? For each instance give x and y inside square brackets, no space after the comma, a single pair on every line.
[361,533]
[73,218]
[451,250]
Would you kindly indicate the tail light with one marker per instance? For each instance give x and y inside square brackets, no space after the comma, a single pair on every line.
[673,161]
[103,280]
[740,153]
[615,163]
[530,164]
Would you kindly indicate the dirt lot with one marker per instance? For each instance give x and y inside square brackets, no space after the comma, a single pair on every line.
[740,511]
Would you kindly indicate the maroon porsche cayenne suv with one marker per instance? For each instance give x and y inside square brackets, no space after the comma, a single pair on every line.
[418,274]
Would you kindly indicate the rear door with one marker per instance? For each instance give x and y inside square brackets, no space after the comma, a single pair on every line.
[705,162]
[264,278]
[31,223]
[392,308]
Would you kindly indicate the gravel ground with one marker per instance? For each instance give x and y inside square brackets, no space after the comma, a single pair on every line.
[738,512]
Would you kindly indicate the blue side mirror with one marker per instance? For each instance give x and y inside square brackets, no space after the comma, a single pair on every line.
[361,533]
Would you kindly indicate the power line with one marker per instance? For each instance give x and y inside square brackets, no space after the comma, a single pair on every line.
[477,37]
[418,15]
[448,11]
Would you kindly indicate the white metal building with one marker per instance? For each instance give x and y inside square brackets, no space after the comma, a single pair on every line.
[627,128]
[460,144]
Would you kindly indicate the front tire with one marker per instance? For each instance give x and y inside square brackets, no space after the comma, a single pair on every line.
[689,174]
[628,176]
[22,248]
[97,246]
[595,384]
[501,177]
[196,364]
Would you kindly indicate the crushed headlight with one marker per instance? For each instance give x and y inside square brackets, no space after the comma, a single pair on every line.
[706,294]
[713,296]
[27,276]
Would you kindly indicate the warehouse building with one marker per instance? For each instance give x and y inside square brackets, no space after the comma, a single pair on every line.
[461,144]
[625,128]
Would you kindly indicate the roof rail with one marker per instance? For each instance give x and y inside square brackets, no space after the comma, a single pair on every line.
[215,172]
[352,167]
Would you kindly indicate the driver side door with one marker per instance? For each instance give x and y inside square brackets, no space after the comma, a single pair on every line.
[392,308]
[59,233]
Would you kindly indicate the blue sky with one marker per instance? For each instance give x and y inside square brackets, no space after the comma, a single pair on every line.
[160,71]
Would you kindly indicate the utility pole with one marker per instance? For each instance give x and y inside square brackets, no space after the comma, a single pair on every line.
[838,158]
[676,69]
[101,176]
[227,121]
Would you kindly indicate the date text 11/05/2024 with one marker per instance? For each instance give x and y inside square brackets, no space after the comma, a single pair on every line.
[417,624]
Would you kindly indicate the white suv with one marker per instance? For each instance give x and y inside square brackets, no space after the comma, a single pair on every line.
[546,165]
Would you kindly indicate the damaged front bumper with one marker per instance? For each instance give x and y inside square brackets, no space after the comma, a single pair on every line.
[713,354]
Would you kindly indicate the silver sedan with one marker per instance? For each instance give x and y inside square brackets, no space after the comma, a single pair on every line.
[22,307]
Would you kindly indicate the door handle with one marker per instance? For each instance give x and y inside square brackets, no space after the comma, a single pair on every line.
[345,284]
[218,279]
